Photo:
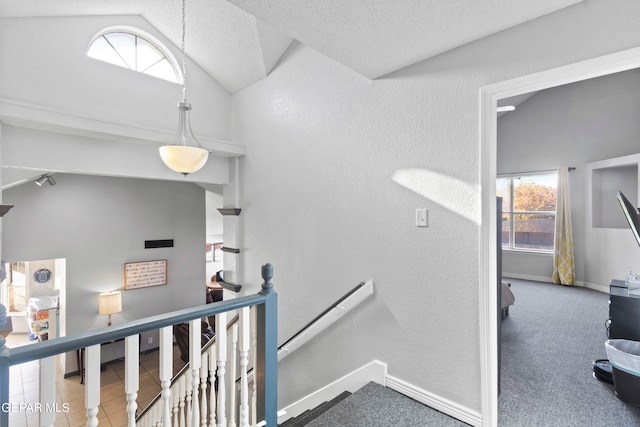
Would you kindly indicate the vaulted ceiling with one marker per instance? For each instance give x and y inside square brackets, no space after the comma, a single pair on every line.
[238,42]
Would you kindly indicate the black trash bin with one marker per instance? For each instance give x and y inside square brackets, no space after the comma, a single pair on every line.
[624,356]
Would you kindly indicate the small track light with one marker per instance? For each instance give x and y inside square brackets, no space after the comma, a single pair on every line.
[45,178]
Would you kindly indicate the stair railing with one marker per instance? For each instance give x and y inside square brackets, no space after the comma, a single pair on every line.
[184,406]
[208,366]
[331,314]
[325,319]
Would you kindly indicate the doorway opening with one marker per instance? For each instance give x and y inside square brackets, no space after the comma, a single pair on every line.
[32,292]
[489,98]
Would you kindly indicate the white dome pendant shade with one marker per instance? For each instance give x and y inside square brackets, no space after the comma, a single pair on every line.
[184,159]
[177,155]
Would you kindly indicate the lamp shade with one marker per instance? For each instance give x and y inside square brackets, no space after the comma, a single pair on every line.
[184,159]
[110,302]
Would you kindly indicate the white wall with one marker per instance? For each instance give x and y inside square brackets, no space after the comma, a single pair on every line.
[56,87]
[336,165]
[100,223]
[57,74]
[572,125]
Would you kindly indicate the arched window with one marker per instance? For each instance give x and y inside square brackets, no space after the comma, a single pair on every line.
[136,50]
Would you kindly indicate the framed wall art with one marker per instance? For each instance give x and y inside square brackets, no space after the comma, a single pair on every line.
[145,274]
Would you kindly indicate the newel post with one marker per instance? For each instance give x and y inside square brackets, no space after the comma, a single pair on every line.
[267,351]
[4,371]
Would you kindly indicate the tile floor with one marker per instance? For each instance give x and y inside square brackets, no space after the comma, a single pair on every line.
[24,388]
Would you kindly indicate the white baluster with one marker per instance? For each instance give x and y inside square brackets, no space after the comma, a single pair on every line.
[183,392]
[232,376]
[166,371]
[195,351]
[245,341]
[157,414]
[161,412]
[175,393]
[212,393]
[204,373]
[131,375]
[48,390]
[92,384]
[188,390]
[221,341]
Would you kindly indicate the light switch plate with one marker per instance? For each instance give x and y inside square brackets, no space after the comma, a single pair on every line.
[422,218]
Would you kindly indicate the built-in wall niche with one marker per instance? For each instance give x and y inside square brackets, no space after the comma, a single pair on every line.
[607,178]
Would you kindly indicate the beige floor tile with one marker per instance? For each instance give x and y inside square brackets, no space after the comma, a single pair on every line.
[114,406]
[119,419]
[33,420]
[71,394]
[76,405]
[77,420]
[61,422]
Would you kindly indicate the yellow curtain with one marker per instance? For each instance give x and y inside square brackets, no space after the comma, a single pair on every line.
[564,266]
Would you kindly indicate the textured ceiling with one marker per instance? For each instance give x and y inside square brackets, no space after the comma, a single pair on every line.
[376,37]
[238,46]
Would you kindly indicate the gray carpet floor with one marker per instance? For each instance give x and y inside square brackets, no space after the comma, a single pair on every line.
[549,341]
[378,406]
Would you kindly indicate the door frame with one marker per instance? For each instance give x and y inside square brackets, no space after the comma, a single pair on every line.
[489,97]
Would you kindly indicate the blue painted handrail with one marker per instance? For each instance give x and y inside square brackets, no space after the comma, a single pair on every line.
[266,352]
[60,345]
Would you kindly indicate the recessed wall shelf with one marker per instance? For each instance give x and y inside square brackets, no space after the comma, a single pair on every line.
[230,286]
[607,177]
[230,211]
[230,250]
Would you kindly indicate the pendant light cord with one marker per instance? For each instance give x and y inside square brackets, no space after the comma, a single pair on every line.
[184,62]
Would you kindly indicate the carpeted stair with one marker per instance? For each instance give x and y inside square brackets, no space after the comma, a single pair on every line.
[307,416]
[373,405]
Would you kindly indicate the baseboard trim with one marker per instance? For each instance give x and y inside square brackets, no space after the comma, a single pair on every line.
[375,371]
[434,401]
[580,283]
[595,287]
[526,277]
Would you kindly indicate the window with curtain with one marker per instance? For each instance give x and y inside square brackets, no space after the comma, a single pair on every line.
[528,211]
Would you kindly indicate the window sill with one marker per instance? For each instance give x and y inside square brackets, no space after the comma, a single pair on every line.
[527,252]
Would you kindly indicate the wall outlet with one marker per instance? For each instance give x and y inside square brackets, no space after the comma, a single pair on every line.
[150,340]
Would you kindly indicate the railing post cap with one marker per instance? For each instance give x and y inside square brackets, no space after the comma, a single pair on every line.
[267,275]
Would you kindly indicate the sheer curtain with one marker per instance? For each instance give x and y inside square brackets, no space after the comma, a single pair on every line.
[564,266]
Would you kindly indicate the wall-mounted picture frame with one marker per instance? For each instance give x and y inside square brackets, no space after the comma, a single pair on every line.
[144,274]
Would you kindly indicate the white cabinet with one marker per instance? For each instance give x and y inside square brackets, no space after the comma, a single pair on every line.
[42,317]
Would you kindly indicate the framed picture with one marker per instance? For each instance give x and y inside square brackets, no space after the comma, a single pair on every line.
[144,274]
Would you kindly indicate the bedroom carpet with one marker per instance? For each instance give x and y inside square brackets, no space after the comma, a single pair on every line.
[549,341]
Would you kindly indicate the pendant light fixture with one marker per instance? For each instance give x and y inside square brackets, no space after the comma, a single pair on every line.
[178,155]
